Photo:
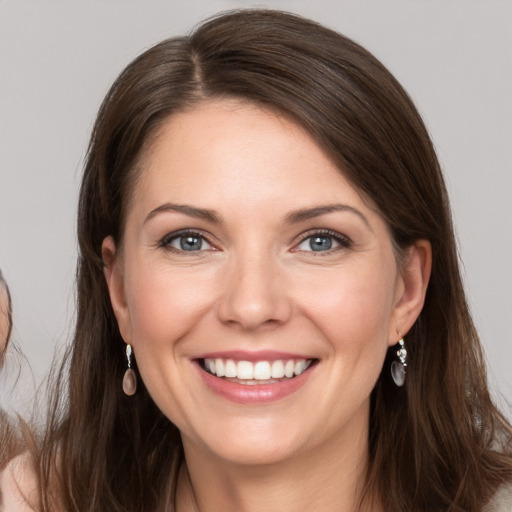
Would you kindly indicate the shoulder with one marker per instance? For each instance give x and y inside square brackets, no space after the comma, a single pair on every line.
[501,501]
[18,486]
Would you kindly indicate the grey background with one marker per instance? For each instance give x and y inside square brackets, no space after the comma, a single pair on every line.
[57,60]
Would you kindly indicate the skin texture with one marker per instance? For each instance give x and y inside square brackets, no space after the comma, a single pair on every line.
[256,284]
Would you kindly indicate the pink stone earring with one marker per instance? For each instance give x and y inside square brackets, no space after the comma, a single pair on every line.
[130,378]
[399,365]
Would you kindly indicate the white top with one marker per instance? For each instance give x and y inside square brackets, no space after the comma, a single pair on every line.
[501,501]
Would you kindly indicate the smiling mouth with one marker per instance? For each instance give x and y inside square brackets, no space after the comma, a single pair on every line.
[256,373]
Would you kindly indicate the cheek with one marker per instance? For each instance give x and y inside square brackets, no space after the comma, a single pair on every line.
[351,304]
[164,305]
[352,309]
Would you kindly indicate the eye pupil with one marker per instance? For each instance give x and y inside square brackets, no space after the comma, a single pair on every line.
[190,243]
[320,243]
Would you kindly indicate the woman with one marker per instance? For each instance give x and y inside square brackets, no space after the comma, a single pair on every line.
[5,331]
[12,431]
[270,311]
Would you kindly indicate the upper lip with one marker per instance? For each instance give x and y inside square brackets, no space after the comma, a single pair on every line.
[253,356]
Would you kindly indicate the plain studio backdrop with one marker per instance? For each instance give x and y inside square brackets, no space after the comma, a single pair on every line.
[58,58]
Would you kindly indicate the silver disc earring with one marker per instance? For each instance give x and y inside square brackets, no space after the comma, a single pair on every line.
[130,378]
[399,365]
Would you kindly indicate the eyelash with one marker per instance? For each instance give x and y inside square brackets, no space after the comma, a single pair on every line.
[167,239]
[343,241]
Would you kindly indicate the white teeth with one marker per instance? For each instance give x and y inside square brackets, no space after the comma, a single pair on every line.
[288,368]
[244,370]
[230,368]
[258,371]
[262,370]
[300,366]
[277,369]
[219,367]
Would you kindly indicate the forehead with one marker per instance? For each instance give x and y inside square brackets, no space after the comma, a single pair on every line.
[231,148]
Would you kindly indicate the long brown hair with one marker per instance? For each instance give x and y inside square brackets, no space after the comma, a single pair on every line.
[438,443]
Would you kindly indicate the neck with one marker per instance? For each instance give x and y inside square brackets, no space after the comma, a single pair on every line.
[329,478]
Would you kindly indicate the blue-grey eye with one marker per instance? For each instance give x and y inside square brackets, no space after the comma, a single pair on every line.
[318,243]
[189,242]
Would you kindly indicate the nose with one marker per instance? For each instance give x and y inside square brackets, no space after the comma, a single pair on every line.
[254,294]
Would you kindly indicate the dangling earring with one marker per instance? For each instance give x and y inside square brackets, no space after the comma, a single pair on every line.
[399,365]
[130,378]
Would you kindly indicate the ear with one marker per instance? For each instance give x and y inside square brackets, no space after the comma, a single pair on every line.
[112,269]
[411,287]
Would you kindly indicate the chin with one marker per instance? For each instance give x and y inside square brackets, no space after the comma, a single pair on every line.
[249,443]
[255,454]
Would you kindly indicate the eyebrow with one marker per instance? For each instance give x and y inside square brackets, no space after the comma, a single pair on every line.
[294,217]
[191,211]
[317,211]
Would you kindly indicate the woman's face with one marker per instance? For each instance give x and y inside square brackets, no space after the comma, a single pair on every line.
[247,254]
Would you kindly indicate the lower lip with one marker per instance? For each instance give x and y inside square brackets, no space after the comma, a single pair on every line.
[254,394]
